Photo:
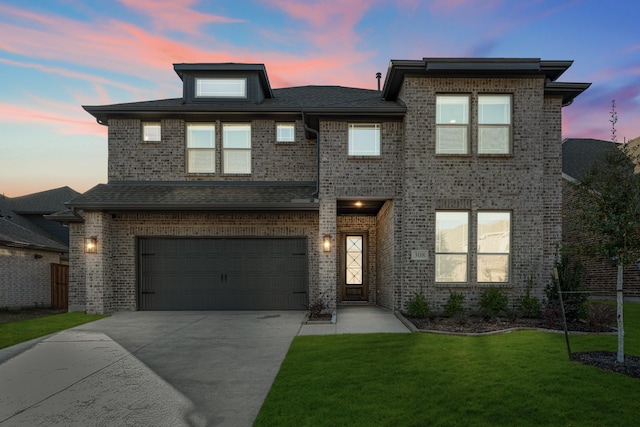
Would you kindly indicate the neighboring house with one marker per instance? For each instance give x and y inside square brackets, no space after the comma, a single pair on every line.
[579,156]
[29,244]
[241,196]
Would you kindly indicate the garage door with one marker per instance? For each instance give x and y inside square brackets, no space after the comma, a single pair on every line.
[222,274]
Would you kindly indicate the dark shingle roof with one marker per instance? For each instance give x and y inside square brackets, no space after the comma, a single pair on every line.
[17,231]
[44,202]
[580,154]
[201,195]
[334,100]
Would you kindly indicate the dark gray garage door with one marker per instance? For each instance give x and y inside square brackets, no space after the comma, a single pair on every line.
[222,274]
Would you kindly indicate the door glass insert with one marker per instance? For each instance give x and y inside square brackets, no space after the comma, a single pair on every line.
[354,260]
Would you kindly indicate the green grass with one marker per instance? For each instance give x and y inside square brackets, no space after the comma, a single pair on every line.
[522,378]
[25,330]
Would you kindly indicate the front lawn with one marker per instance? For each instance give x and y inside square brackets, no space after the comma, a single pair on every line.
[521,378]
[24,330]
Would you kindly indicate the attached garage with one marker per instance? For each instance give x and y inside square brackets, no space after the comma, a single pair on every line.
[222,273]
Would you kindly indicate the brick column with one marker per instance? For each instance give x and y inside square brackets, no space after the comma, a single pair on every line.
[99,292]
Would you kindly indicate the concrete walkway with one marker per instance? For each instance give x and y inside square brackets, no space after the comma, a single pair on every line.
[161,368]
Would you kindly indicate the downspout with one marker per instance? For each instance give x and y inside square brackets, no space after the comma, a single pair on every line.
[317,133]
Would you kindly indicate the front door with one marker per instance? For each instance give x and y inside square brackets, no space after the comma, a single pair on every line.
[354,272]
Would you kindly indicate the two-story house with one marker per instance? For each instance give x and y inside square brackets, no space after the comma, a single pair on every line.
[241,196]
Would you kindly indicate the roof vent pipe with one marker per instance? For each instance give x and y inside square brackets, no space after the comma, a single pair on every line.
[378,76]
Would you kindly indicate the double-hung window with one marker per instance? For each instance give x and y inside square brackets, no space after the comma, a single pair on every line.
[452,124]
[452,246]
[201,148]
[364,139]
[236,148]
[285,132]
[494,124]
[494,246]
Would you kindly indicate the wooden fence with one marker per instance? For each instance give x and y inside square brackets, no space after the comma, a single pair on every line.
[59,286]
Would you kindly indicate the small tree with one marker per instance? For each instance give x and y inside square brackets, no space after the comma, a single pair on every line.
[609,215]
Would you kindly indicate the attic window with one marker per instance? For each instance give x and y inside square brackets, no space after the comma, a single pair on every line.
[221,88]
[151,132]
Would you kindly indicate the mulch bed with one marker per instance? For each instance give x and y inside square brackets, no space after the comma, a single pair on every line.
[605,360]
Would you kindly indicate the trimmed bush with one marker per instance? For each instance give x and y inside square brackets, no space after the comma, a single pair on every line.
[493,302]
[454,306]
[418,307]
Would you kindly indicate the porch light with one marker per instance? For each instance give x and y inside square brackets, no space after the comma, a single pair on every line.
[326,243]
[358,204]
[91,245]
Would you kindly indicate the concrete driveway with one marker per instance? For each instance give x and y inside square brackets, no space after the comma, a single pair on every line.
[149,369]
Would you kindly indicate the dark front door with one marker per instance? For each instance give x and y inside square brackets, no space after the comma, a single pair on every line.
[222,274]
[354,262]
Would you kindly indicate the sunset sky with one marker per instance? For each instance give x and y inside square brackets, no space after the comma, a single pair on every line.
[56,56]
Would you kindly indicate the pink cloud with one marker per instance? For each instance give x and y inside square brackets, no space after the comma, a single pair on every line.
[67,124]
[176,15]
[446,7]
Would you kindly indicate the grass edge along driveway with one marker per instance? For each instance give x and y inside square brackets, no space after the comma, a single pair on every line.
[24,330]
[522,378]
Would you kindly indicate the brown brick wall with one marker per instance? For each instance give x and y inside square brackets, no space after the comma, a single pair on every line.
[25,277]
[130,159]
[526,183]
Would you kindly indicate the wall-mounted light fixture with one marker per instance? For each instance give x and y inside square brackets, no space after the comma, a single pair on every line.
[91,245]
[326,243]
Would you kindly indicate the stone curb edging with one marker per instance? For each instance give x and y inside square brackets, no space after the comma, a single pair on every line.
[413,328]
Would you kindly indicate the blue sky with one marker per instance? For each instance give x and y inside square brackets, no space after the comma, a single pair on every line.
[57,55]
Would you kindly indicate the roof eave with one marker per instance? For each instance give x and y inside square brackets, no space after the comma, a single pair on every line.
[308,206]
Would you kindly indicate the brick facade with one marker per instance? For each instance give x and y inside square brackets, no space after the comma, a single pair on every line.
[25,277]
[408,179]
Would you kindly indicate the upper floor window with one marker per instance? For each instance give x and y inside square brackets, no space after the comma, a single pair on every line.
[452,124]
[151,132]
[201,148]
[364,139]
[452,246]
[285,132]
[221,88]
[494,124]
[236,148]
[494,246]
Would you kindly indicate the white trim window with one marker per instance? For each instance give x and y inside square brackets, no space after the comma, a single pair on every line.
[201,148]
[236,148]
[364,139]
[151,132]
[285,132]
[221,87]
[452,124]
[452,246]
[494,246]
[494,124]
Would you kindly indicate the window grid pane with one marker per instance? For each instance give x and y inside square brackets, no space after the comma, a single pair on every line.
[364,140]
[201,141]
[285,132]
[221,88]
[494,246]
[236,145]
[151,132]
[452,124]
[354,270]
[452,246]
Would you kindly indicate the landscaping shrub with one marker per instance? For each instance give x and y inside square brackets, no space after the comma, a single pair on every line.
[418,306]
[602,317]
[570,278]
[529,306]
[454,306]
[493,302]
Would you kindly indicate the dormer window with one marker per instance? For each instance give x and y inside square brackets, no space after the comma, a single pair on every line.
[221,88]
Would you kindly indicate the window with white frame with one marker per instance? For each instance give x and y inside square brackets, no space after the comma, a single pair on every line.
[364,139]
[452,124]
[201,148]
[494,124]
[452,246]
[221,88]
[285,132]
[236,148]
[151,132]
[494,246]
